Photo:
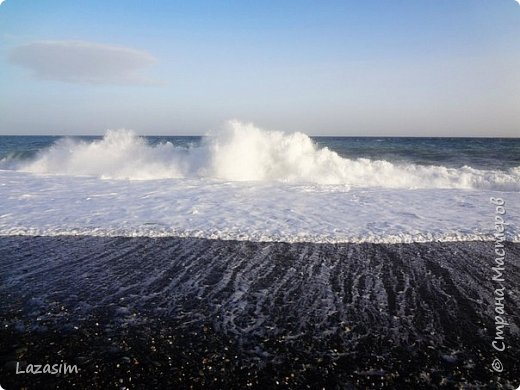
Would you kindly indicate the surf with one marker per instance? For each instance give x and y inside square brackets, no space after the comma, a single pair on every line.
[244,152]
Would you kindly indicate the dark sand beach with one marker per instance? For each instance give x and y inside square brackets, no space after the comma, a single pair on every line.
[146,313]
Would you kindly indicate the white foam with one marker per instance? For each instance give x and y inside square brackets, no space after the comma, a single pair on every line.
[57,205]
[243,152]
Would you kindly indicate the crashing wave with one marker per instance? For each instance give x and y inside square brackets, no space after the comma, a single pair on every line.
[243,152]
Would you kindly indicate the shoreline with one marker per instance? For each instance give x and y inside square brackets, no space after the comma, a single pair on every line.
[302,240]
[151,312]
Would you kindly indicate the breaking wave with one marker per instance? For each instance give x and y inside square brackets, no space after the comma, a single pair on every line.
[243,152]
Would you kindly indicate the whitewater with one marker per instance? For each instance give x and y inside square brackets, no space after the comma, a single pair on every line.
[245,183]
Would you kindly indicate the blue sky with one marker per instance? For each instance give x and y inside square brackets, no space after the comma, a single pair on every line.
[419,68]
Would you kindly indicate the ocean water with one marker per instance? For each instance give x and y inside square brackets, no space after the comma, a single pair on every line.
[480,153]
[246,183]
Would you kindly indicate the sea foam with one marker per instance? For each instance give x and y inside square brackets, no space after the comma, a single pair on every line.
[244,152]
[49,205]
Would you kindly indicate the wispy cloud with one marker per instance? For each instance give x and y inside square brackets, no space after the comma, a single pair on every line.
[83,62]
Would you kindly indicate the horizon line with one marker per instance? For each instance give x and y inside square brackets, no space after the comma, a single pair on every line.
[309,135]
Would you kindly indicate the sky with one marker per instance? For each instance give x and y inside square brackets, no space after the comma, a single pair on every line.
[350,68]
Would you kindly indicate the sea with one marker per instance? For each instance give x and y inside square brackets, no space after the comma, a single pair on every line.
[246,183]
[480,153]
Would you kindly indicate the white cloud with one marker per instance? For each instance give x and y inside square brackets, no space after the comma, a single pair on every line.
[83,62]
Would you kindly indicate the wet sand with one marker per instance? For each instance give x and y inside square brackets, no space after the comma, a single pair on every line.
[146,313]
